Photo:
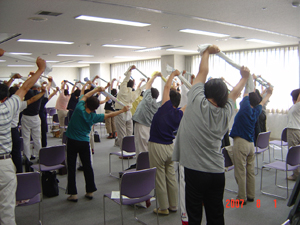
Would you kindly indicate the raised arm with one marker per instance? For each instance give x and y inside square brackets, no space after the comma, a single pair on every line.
[234,94]
[269,93]
[53,93]
[192,79]
[32,80]
[15,76]
[150,82]
[108,115]
[84,87]
[37,97]
[112,83]
[91,93]
[143,80]
[203,68]
[50,79]
[166,94]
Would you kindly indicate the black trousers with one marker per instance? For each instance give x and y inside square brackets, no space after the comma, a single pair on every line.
[16,149]
[82,148]
[44,129]
[206,188]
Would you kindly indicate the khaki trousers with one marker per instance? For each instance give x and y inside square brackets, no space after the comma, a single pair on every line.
[61,114]
[141,137]
[244,161]
[110,123]
[160,156]
[293,139]
[123,127]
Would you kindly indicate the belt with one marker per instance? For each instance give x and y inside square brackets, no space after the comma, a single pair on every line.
[5,156]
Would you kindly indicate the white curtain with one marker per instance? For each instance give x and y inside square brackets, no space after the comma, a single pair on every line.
[84,72]
[145,66]
[279,66]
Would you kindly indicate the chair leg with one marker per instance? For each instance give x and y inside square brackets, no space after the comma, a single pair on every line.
[256,164]
[121,213]
[104,209]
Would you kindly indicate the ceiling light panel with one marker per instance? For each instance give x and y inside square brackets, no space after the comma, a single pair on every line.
[20,53]
[71,55]
[123,46]
[110,20]
[20,65]
[263,41]
[201,32]
[47,41]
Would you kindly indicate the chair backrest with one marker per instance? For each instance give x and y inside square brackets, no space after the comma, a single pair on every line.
[263,139]
[54,155]
[284,135]
[29,185]
[64,138]
[128,144]
[52,111]
[227,159]
[142,161]
[55,118]
[293,156]
[138,183]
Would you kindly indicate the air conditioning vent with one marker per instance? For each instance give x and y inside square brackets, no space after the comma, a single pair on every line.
[47,13]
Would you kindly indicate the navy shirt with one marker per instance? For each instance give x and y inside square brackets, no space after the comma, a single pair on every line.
[245,119]
[72,102]
[165,121]
[34,108]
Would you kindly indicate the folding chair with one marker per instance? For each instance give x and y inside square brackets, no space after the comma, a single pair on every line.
[281,143]
[29,191]
[137,187]
[262,145]
[292,162]
[142,162]
[128,150]
[228,164]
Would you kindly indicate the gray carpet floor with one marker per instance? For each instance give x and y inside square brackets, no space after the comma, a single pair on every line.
[59,211]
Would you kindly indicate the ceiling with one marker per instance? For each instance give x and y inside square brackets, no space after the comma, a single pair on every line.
[272,20]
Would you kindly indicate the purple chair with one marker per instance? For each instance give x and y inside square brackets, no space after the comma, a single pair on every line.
[137,187]
[29,191]
[51,158]
[262,145]
[228,164]
[142,162]
[292,162]
[128,150]
[281,143]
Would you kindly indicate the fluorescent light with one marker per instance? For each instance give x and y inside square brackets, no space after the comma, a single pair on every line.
[20,66]
[20,53]
[122,46]
[148,49]
[50,61]
[2,60]
[201,32]
[65,66]
[46,41]
[181,50]
[262,41]
[71,55]
[89,62]
[127,57]
[109,20]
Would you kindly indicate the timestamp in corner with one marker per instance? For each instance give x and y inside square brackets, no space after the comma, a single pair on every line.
[239,203]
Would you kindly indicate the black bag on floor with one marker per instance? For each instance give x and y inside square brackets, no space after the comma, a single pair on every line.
[50,184]
[96,137]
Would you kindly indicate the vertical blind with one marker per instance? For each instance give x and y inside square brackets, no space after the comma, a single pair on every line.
[279,66]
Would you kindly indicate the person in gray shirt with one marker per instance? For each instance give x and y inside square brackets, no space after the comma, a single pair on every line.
[198,142]
[144,114]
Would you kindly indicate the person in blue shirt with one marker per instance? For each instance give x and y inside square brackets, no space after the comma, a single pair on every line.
[243,149]
[78,141]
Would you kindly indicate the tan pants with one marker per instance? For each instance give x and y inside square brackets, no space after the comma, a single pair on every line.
[61,114]
[244,161]
[110,123]
[160,156]
[123,127]
[141,137]
[293,139]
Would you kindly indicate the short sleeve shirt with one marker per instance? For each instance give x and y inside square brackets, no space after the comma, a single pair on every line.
[198,141]
[81,122]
